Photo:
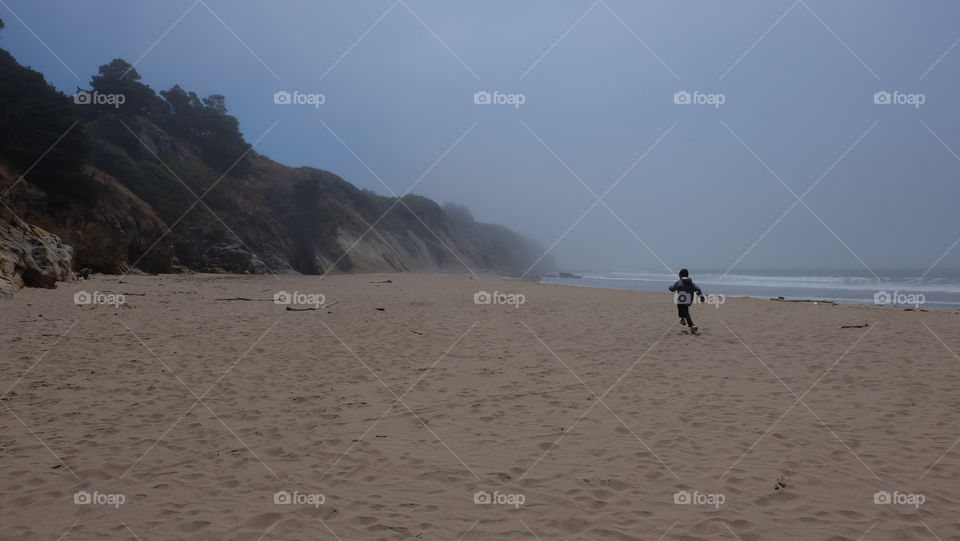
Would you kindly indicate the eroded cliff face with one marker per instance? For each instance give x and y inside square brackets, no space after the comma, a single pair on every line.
[107,231]
[173,213]
[31,256]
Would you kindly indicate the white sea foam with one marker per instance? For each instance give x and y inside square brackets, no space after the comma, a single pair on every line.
[943,291]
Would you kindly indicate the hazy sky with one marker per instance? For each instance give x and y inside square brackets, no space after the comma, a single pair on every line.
[797,82]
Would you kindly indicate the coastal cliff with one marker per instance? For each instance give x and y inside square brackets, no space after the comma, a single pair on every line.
[167,183]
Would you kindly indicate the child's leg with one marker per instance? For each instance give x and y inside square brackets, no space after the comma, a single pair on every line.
[684,311]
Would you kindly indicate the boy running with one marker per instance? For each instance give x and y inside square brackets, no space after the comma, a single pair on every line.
[684,289]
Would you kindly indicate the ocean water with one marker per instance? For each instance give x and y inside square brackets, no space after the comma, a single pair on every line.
[906,289]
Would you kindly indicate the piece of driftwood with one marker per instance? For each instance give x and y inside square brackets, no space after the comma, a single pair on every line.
[781,299]
[382,282]
[242,299]
[865,325]
[417,332]
[321,307]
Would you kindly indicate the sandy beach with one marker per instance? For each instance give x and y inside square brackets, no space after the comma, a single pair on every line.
[408,411]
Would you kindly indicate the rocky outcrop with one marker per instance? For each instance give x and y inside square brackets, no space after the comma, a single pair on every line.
[109,231]
[31,256]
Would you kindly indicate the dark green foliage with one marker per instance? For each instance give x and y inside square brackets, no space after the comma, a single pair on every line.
[33,116]
[216,103]
[119,78]
[206,124]
[180,101]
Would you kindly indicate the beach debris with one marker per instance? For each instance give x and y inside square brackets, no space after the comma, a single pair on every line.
[865,325]
[781,483]
[417,332]
[814,301]
[382,282]
[242,299]
[379,309]
[310,308]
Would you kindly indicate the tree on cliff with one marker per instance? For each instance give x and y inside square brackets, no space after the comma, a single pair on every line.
[34,116]
[206,124]
[120,78]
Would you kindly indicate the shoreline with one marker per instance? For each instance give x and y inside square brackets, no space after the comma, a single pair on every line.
[926,305]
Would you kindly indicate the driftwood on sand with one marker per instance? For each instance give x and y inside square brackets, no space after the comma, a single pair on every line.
[814,301]
[321,307]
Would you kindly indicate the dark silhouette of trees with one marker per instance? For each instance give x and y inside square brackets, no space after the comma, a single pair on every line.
[206,124]
[34,116]
[119,78]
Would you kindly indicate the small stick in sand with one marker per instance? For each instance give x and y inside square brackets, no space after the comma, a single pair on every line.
[855,326]
[382,282]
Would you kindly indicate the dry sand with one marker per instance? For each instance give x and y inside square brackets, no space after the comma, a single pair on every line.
[589,408]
